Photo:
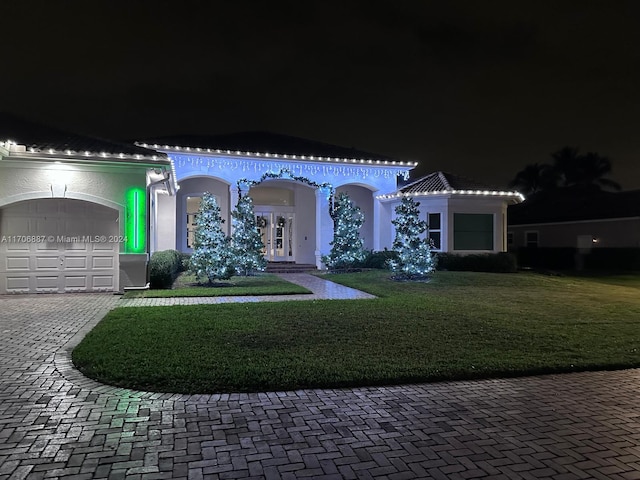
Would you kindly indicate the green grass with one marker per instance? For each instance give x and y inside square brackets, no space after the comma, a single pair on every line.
[459,325]
[187,286]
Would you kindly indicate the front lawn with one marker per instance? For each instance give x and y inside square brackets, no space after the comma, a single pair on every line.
[459,325]
[187,286]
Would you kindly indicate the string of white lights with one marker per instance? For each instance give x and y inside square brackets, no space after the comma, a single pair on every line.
[363,161]
[486,193]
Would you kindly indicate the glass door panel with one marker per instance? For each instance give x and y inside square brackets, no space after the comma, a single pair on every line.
[276,230]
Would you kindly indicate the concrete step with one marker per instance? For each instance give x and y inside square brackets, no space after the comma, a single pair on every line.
[289,267]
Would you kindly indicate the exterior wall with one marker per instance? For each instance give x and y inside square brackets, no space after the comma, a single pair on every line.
[165,222]
[106,185]
[386,231]
[103,184]
[609,233]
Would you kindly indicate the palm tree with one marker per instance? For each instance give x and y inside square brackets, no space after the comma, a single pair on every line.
[534,178]
[586,171]
[593,168]
[566,164]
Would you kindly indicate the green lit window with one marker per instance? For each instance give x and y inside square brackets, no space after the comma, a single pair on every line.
[472,231]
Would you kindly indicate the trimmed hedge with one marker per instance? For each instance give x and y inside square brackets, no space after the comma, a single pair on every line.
[626,259]
[164,268]
[185,258]
[553,258]
[490,262]
[569,258]
[501,262]
[379,259]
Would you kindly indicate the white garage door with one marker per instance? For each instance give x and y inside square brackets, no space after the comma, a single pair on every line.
[58,245]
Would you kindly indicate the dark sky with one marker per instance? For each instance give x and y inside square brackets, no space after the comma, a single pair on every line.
[477,88]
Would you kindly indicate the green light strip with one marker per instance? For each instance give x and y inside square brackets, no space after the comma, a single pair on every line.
[136,221]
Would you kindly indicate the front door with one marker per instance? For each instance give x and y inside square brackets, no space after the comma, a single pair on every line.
[276,229]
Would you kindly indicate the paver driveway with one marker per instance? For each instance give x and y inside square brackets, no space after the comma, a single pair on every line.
[54,423]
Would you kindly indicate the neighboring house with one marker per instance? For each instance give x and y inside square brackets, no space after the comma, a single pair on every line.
[462,215]
[73,210]
[570,218]
[60,194]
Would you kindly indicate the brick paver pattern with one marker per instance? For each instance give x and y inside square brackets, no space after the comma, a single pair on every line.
[55,423]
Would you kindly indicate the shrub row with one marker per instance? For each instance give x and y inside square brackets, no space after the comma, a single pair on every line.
[490,262]
[501,262]
[165,266]
[613,259]
[379,259]
[551,258]
[569,258]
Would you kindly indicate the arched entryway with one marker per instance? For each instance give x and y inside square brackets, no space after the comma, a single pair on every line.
[285,214]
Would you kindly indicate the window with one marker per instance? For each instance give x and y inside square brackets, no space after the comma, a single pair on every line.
[433,230]
[531,239]
[509,239]
[193,205]
[472,231]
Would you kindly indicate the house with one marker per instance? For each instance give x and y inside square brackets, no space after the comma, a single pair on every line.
[570,218]
[83,214]
[567,227]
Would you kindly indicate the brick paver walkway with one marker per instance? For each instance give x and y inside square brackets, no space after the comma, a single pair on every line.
[54,423]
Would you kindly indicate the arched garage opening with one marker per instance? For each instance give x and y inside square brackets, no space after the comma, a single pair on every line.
[58,245]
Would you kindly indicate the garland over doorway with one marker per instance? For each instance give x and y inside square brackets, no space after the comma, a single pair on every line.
[285,173]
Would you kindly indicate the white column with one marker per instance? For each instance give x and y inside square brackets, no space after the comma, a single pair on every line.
[234,192]
[166,223]
[324,226]
[376,224]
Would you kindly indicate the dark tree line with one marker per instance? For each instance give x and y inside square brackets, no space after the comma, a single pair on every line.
[568,168]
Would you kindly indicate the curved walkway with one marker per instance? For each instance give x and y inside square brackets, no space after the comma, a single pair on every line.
[55,423]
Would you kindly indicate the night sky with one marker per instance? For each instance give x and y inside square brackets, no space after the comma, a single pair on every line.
[477,88]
